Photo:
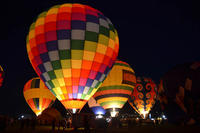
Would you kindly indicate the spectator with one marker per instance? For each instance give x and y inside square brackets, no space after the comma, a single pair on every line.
[59,124]
[22,124]
[64,124]
[33,124]
[75,122]
[3,124]
[53,124]
[86,124]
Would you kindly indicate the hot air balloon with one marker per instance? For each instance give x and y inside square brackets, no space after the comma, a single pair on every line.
[96,108]
[37,95]
[115,90]
[143,96]
[179,93]
[72,48]
[1,76]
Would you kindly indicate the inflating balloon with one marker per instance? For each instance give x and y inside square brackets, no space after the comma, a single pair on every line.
[37,95]
[117,87]
[179,93]
[72,48]
[143,96]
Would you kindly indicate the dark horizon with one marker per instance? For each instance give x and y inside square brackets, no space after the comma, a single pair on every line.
[154,36]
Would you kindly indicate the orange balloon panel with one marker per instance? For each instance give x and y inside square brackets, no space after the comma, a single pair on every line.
[38,96]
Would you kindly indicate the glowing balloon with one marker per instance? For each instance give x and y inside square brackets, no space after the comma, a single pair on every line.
[179,93]
[143,96]
[1,76]
[116,88]
[96,108]
[72,47]
[37,95]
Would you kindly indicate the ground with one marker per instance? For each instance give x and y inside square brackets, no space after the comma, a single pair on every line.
[133,129]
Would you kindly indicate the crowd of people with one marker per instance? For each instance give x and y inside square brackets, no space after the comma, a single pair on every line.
[8,122]
[87,122]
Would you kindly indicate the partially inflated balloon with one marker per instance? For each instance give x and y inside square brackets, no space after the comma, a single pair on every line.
[1,76]
[38,96]
[143,96]
[117,87]
[96,108]
[179,93]
[72,47]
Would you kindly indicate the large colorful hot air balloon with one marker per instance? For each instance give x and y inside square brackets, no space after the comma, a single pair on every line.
[143,96]
[115,90]
[1,76]
[72,47]
[38,96]
[96,108]
[179,93]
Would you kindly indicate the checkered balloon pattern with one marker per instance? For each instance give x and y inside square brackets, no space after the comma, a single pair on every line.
[37,95]
[1,76]
[117,87]
[72,47]
[143,96]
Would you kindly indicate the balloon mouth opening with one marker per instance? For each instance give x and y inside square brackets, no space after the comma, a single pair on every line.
[39,113]
[114,113]
[144,114]
[73,111]
[100,113]
[99,116]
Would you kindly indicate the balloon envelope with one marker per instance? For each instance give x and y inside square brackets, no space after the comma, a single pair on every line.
[117,87]
[96,108]
[72,47]
[1,76]
[179,92]
[143,96]
[37,95]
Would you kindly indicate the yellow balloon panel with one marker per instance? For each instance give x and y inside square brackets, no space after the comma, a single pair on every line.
[37,95]
[116,88]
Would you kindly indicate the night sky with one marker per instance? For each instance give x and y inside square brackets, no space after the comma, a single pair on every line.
[154,35]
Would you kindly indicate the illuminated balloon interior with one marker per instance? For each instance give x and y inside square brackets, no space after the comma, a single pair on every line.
[72,48]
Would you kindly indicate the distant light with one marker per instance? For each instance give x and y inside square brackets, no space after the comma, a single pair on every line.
[108,119]
[164,117]
[152,119]
[150,116]
[22,116]
[159,118]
